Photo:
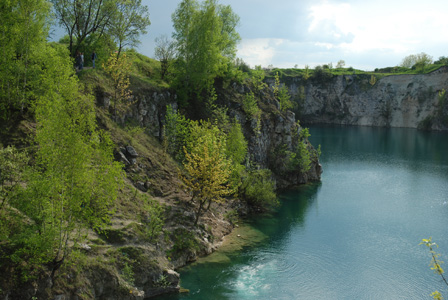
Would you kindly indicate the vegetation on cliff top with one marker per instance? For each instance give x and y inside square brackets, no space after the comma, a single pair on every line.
[60,181]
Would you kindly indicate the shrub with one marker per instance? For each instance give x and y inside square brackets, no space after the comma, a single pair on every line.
[258,189]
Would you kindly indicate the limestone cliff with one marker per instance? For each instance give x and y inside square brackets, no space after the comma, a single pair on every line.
[276,129]
[392,101]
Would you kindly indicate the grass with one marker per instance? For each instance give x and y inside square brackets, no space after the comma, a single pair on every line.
[379,73]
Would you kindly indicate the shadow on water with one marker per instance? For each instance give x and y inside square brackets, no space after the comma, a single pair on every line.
[211,277]
[406,144]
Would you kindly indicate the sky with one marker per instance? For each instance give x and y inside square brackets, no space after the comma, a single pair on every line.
[366,34]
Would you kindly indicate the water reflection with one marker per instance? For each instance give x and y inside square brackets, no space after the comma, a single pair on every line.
[354,236]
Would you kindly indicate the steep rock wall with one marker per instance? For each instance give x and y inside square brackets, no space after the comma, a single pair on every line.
[276,128]
[395,101]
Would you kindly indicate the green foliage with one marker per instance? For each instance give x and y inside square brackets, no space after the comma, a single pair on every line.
[183,240]
[118,68]
[253,112]
[207,169]
[258,189]
[441,103]
[215,112]
[177,129]
[282,93]
[127,272]
[81,18]
[303,155]
[417,61]
[129,21]
[443,60]
[75,181]
[236,143]
[321,74]
[206,42]
[165,52]
[13,164]
[23,30]
[284,99]
[250,105]
[435,263]
[236,150]
[153,218]
[257,76]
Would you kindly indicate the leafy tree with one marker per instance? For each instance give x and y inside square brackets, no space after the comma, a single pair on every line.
[258,188]
[236,151]
[206,41]
[257,79]
[23,30]
[307,72]
[435,264]
[12,166]
[250,107]
[119,68]
[340,64]
[177,130]
[129,21]
[80,18]
[74,182]
[77,181]
[282,93]
[442,60]
[165,52]
[417,61]
[207,169]
[408,61]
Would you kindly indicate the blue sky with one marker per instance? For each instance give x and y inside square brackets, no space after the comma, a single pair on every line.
[365,34]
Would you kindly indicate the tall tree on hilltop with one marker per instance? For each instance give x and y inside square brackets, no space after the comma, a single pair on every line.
[80,18]
[129,22]
[206,41]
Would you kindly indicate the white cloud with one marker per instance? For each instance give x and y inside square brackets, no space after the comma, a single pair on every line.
[259,51]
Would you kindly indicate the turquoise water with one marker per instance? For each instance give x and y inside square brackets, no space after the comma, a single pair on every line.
[355,235]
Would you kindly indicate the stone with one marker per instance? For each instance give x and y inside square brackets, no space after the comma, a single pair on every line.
[131,151]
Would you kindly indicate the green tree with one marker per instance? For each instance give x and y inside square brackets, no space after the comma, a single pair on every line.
[165,52]
[78,180]
[236,150]
[81,18]
[207,169]
[129,22]
[257,79]
[443,60]
[258,189]
[75,180]
[417,61]
[206,42]
[176,132]
[282,93]
[340,64]
[23,30]
[118,69]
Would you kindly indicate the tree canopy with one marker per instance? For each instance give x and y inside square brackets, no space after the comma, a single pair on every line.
[206,41]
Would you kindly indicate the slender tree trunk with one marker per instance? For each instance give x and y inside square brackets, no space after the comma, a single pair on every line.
[198,214]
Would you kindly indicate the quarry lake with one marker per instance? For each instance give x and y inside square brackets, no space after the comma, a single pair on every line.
[355,235]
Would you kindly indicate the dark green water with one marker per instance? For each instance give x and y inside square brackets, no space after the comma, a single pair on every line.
[355,235]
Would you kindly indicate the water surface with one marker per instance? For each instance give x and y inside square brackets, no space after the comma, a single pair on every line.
[355,235]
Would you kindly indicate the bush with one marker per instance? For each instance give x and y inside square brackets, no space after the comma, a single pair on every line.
[258,189]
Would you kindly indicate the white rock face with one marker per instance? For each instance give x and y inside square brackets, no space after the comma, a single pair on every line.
[395,101]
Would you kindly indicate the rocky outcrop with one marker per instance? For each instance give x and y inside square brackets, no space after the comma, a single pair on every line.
[392,101]
[274,130]
[272,137]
